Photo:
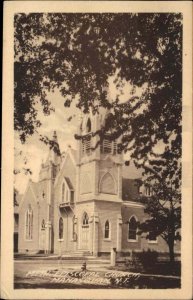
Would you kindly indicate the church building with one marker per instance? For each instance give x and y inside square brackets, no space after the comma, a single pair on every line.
[85,201]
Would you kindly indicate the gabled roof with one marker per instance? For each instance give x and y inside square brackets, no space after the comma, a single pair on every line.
[69,153]
[18,199]
[16,209]
[74,154]
[70,186]
[35,188]
[130,186]
[130,189]
[131,172]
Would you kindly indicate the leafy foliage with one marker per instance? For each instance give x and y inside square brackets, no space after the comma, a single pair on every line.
[148,258]
[164,209]
[78,52]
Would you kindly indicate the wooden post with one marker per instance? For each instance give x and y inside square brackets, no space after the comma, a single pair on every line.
[113,257]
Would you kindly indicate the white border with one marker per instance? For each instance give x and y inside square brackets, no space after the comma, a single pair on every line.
[11,7]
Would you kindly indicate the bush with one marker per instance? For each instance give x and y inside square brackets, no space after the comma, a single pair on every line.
[41,252]
[148,258]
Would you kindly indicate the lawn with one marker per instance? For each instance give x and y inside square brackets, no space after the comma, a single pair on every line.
[59,278]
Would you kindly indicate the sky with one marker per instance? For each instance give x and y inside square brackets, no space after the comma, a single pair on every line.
[35,151]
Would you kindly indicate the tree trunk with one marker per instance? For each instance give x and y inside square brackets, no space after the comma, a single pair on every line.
[171,251]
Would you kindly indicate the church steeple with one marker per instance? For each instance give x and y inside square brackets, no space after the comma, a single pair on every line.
[55,151]
[51,165]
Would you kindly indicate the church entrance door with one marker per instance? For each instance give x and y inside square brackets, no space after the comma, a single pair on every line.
[85,232]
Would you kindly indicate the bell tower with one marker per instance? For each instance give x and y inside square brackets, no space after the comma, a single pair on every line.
[99,161]
[47,175]
[99,185]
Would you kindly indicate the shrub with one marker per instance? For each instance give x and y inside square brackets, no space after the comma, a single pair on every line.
[148,258]
[41,252]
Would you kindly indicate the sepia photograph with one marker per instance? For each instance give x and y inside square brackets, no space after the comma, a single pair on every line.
[98,127]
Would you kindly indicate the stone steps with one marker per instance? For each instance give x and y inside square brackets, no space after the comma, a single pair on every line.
[80,253]
[71,258]
[87,260]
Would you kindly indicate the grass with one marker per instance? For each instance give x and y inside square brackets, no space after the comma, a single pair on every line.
[123,280]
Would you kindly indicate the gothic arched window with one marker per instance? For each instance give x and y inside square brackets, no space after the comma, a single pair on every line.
[107,229]
[109,144]
[107,184]
[132,232]
[63,192]
[43,225]
[85,219]
[73,228]
[61,228]
[29,224]
[88,126]
[86,141]
[148,191]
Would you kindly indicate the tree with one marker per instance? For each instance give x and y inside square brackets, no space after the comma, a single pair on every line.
[77,53]
[164,211]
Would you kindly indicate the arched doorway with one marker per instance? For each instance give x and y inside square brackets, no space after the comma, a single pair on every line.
[85,232]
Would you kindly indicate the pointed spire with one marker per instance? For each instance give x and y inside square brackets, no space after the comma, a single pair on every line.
[54,154]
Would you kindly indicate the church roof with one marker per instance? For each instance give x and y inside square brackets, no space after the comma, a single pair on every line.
[74,154]
[130,189]
[131,172]
[18,200]
[35,187]
[19,197]
[69,183]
